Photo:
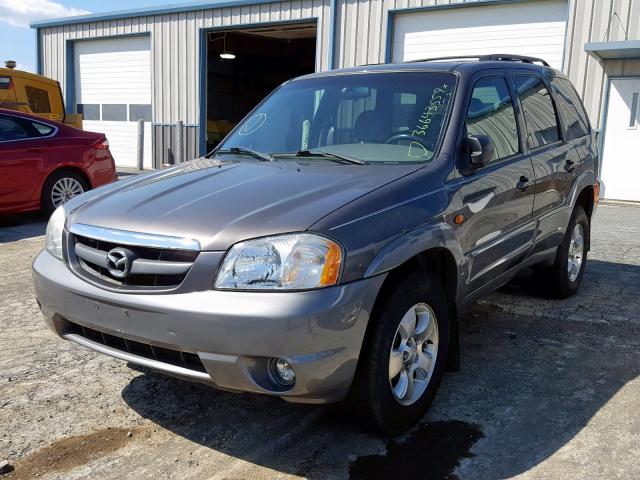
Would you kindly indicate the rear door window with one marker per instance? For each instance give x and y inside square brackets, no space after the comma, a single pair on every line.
[539,113]
[38,100]
[491,113]
[575,118]
[12,129]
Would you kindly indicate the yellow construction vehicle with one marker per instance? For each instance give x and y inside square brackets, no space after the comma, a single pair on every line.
[31,93]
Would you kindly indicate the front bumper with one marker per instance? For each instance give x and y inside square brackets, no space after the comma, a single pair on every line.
[234,334]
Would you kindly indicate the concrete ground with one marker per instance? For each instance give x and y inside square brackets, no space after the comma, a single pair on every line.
[547,389]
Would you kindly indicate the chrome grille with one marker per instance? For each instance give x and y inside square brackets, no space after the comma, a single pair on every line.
[147,267]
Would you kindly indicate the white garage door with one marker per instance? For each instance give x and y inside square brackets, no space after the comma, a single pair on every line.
[113,91]
[620,165]
[529,28]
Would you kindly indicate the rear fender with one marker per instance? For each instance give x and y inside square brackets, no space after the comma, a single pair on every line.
[584,180]
[553,225]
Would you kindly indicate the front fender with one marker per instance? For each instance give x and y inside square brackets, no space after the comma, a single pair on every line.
[425,237]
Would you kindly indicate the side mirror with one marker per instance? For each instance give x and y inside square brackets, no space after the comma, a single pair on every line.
[480,149]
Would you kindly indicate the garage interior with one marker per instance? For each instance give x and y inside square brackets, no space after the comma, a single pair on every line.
[243,66]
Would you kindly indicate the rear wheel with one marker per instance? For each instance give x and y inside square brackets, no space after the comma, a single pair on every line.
[563,278]
[60,187]
[404,357]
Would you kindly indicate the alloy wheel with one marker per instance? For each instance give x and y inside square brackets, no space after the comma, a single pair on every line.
[413,354]
[576,252]
[65,189]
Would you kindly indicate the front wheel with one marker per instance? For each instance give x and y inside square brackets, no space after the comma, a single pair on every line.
[404,356]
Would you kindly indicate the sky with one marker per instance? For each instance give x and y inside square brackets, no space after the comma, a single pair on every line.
[18,40]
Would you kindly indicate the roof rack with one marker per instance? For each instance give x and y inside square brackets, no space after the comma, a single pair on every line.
[435,59]
[494,57]
[513,58]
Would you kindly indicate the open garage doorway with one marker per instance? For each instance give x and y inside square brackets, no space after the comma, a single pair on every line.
[245,65]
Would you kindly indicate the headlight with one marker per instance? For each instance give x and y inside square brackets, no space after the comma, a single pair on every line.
[53,239]
[284,262]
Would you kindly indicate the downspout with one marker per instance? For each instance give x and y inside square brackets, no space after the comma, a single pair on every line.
[38,53]
[333,18]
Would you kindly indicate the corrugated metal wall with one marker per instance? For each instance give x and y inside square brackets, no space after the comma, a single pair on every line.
[360,39]
[594,21]
[175,52]
[164,141]
[362,26]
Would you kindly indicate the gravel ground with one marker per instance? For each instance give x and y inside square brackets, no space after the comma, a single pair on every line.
[547,389]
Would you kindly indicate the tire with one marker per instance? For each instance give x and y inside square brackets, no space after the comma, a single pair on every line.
[63,183]
[563,278]
[372,401]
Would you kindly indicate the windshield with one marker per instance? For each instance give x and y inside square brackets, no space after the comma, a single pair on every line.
[383,117]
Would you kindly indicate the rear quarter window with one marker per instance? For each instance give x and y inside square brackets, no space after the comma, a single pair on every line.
[576,123]
[42,129]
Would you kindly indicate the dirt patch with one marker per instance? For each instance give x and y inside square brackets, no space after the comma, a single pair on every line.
[429,453]
[72,452]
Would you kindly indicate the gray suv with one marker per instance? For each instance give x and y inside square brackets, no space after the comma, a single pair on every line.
[323,250]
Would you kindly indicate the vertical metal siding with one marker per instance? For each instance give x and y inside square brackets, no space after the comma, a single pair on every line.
[362,35]
[362,28]
[175,47]
[361,38]
[593,21]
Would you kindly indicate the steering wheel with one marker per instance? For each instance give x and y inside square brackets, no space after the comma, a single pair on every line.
[406,136]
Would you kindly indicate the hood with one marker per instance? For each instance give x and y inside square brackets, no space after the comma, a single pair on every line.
[220,204]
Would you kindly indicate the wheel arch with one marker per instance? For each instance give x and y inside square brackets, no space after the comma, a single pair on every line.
[66,168]
[586,200]
[431,248]
[436,261]
[444,264]
[584,196]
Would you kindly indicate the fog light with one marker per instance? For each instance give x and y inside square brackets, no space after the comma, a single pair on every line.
[283,371]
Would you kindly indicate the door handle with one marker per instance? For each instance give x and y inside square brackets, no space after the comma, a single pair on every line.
[523,184]
[35,150]
[569,166]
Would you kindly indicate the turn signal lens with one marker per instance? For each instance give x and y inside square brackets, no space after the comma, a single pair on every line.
[53,236]
[332,264]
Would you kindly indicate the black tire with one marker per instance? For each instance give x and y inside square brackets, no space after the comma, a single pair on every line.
[46,200]
[555,281]
[371,400]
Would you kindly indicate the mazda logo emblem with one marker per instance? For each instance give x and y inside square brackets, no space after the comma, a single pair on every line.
[119,262]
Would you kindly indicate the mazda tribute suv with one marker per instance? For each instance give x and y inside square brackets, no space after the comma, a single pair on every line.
[323,250]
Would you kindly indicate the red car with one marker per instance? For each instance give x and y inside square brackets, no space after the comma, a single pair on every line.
[43,163]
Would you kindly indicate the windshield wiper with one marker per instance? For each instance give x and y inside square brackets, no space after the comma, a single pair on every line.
[322,153]
[265,157]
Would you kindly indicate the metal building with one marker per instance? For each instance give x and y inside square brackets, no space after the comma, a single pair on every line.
[165,65]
